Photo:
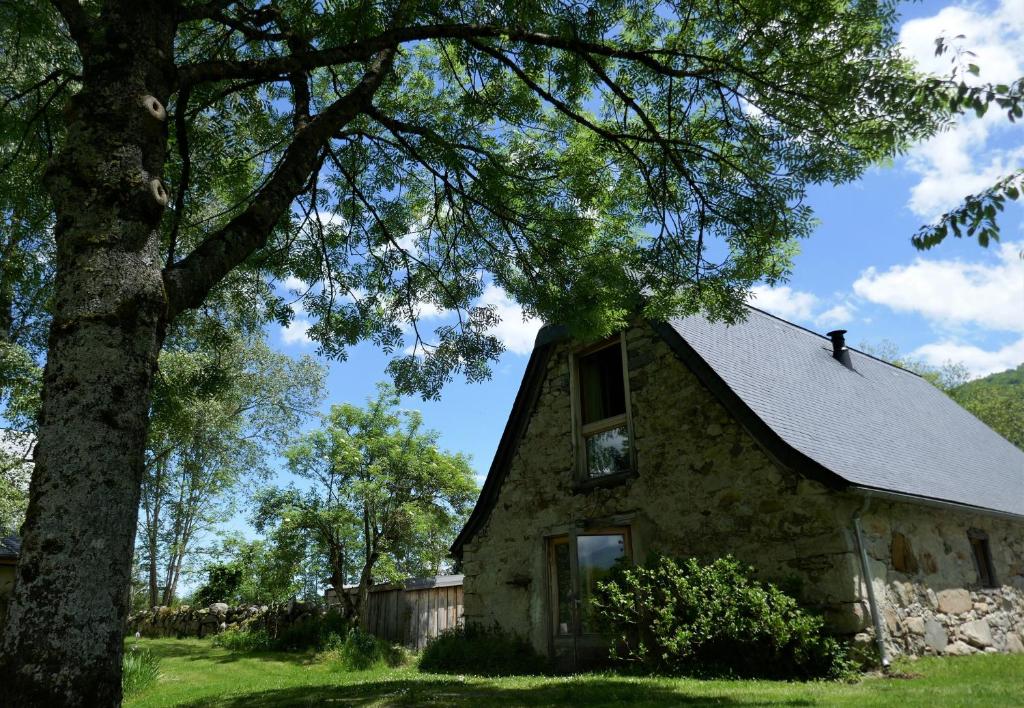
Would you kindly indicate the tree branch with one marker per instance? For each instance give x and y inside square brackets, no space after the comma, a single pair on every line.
[75,18]
[203,11]
[277,67]
[188,282]
[181,133]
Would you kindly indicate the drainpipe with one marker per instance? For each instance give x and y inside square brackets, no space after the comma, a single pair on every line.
[876,616]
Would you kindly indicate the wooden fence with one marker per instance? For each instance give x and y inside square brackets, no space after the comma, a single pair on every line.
[414,612]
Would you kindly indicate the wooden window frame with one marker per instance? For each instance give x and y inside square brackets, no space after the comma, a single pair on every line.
[581,432]
[981,552]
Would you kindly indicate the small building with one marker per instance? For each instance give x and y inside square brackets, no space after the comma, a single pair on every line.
[853,483]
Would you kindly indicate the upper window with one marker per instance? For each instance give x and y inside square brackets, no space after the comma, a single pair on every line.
[602,411]
[982,558]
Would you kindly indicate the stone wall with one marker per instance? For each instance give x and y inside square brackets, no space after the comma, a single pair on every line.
[703,487]
[924,569]
[186,621]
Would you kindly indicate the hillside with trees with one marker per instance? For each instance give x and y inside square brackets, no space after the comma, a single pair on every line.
[998,400]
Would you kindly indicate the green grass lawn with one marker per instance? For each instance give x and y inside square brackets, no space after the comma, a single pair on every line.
[194,673]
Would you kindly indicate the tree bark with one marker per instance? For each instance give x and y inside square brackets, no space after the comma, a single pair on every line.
[62,644]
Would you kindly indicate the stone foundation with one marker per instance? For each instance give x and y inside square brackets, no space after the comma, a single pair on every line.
[931,599]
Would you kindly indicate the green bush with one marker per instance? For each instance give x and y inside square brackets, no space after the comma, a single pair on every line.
[222,583]
[484,651]
[140,668]
[357,650]
[311,633]
[237,639]
[686,618]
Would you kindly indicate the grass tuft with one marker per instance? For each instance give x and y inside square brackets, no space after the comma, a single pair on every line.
[139,670]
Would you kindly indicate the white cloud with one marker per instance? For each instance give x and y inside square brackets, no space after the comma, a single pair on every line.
[948,164]
[430,311]
[835,316]
[979,361]
[988,294]
[330,218]
[515,332]
[294,285]
[297,332]
[783,301]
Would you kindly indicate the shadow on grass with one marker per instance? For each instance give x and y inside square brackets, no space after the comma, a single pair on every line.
[591,692]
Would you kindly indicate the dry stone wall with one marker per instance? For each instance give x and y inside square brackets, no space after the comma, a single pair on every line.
[186,621]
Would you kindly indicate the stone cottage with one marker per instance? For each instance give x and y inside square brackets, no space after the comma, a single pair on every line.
[854,483]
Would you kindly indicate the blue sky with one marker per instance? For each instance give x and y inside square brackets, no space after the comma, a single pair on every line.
[859,271]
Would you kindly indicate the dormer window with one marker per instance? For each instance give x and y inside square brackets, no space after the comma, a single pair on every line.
[602,412]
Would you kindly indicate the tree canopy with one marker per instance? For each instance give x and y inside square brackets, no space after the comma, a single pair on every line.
[977,216]
[595,160]
[221,409]
[392,156]
[381,501]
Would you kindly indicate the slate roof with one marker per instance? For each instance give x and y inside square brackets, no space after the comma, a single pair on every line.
[10,548]
[872,425]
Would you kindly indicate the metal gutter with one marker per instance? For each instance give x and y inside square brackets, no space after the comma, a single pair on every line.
[872,492]
[876,616]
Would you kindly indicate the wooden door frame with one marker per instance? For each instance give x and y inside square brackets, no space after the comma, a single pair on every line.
[570,536]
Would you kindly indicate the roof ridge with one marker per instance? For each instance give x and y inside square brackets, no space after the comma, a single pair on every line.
[822,336]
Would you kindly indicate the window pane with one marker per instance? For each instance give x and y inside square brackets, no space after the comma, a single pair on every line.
[602,394]
[563,587]
[608,452]
[981,559]
[597,556]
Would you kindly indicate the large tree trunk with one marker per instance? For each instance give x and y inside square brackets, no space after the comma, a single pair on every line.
[63,641]
[363,595]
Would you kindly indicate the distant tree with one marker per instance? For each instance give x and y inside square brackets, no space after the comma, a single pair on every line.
[379,495]
[15,470]
[223,582]
[260,571]
[220,409]
[996,400]
[946,377]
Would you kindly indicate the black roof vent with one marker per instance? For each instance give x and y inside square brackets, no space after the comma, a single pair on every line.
[839,351]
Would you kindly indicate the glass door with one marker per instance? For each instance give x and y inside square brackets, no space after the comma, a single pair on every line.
[577,563]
